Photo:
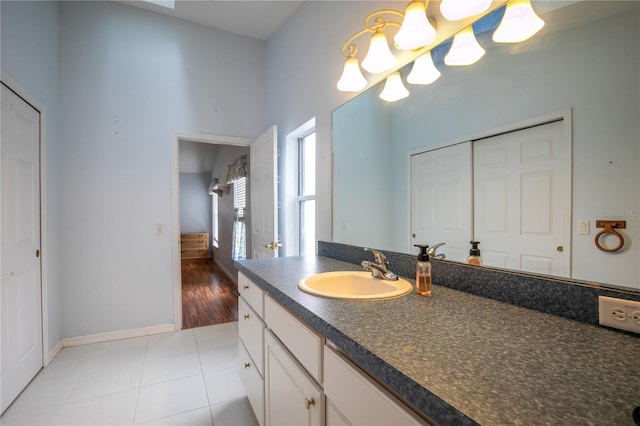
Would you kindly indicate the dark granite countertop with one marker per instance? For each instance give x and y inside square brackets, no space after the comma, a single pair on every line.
[464,359]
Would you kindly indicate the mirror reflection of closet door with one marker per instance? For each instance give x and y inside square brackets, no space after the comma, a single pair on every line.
[522,199]
[441,209]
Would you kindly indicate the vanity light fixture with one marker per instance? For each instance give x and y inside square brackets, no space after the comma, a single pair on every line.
[519,23]
[416,30]
[465,49]
[393,89]
[423,71]
[455,10]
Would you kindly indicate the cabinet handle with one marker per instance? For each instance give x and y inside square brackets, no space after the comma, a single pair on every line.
[247,365]
[246,287]
[308,403]
[246,316]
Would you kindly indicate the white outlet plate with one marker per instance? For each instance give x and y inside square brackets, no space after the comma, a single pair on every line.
[619,313]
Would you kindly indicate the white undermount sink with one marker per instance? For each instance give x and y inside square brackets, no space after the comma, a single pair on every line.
[354,285]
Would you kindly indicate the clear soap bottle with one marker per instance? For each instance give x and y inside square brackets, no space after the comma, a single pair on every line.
[423,272]
[474,254]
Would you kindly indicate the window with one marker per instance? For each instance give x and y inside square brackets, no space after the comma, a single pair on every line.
[306,197]
[239,243]
[214,220]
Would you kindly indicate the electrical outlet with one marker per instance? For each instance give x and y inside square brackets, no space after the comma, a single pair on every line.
[619,313]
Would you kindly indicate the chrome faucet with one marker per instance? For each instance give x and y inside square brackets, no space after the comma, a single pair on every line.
[379,268]
[432,252]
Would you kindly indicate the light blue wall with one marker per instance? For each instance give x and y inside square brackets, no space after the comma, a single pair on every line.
[128,79]
[29,57]
[195,203]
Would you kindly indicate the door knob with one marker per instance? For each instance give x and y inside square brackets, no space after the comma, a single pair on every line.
[274,245]
[37,253]
[309,402]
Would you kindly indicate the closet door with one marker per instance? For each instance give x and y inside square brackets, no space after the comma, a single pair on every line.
[522,199]
[441,199]
[21,356]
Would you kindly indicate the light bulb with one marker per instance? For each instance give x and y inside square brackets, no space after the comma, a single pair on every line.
[352,79]
[379,57]
[465,49]
[393,89]
[519,23]
[424,71]
[454,10]
[416,31]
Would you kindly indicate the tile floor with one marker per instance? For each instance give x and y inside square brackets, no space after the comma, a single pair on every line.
[188,377]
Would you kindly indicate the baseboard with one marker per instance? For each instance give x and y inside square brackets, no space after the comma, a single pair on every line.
[52,353]
[232,277]
[117,335]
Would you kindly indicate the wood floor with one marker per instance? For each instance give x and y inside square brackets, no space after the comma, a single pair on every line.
[208,295]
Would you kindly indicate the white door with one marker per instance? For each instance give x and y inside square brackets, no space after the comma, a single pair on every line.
[264,196]
[522,199]
[21,356]
[441,199]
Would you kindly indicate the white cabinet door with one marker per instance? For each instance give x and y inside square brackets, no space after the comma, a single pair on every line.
[21,356]
[441,199]
[354,398]
[522,199]
[253,383]
[292,397]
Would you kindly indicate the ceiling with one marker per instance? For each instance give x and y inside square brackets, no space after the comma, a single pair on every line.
[253,18]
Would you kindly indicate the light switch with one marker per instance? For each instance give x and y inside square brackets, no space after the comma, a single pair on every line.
[159,228]
[583,227]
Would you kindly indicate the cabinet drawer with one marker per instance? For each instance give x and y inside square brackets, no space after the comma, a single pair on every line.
[195,254]
[303,343]
[194,236]
[253,383]
[348,390]
[251,293]
[251,331]
[194,244]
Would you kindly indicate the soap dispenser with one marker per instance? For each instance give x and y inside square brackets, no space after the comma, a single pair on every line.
[423,272]
[474,254]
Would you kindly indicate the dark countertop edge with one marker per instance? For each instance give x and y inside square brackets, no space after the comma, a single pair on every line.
[425,403]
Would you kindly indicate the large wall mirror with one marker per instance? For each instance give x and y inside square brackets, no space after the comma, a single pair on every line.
[583,68]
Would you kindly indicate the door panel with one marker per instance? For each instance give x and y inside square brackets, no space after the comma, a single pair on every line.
[264,213]
[441,199]
[22,355]
[521,199]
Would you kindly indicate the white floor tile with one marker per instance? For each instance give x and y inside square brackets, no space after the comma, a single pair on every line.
[40,417]
[113,409]
[43,393]
[199,417]
[170,398]
[111,378]
[216,335]
[219,358]
[171,368]
[223,385]
[233,412]
[170,344]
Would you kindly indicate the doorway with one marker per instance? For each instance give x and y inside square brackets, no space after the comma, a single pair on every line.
[202,286]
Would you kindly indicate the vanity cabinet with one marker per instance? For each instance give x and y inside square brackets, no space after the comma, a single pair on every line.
[251,346]
[285,363]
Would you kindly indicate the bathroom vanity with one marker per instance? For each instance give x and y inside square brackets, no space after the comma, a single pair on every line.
[453,358]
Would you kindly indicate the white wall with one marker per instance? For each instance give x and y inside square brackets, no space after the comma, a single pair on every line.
[128,79]
[195,203]
[29,56]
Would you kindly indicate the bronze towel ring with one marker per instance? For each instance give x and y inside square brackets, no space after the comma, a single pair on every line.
[610,228]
